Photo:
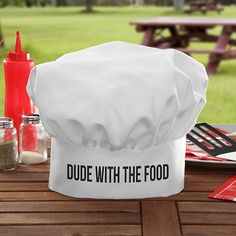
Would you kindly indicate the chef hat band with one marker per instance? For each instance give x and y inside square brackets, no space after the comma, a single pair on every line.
[79,171]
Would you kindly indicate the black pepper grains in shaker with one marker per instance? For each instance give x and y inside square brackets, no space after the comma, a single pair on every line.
[8,145]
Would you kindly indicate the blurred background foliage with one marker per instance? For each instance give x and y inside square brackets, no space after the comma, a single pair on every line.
[49,32]
[45,3]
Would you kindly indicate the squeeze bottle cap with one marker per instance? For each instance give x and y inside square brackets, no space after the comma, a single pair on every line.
[18,54]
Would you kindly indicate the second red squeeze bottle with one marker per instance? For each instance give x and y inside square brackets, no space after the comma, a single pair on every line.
[17,67]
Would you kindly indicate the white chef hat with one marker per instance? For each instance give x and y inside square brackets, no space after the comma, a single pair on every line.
[118,114]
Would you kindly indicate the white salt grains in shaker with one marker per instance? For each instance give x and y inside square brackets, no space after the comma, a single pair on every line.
[33,148]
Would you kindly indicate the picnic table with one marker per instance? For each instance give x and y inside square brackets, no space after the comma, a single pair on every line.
[203,6]
[28,207]
[183,31]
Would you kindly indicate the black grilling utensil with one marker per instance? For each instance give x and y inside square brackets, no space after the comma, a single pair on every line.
[213,141]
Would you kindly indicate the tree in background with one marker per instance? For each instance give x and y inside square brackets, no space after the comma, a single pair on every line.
[53,3]
[89,5]
[178,4]
[139,2]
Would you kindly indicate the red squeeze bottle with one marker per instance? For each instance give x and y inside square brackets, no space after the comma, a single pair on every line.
[17,67]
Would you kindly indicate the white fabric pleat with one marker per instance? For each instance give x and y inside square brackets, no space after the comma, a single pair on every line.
[119,95]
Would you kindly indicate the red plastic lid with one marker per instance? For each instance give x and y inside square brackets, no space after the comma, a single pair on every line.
[18,54]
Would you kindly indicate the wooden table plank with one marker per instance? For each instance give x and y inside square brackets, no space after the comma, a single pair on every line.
[201,187]
[52,196]
[33,168]
[206,230]
[75,230]
[71,206]
[160,218]
[188,21]
[69,218]
[19,177]
[208,218]
[23,186]
[213,207]
[207,177]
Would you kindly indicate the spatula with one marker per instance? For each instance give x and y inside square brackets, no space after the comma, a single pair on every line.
[213,141]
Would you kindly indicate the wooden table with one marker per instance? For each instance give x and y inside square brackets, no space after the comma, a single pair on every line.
[182,31]
[202,6]
[27,207]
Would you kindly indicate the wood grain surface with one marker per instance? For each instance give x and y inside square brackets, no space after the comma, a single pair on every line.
[28,207]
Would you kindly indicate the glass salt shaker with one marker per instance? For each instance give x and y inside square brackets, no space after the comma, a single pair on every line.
[33,148]
[8,145]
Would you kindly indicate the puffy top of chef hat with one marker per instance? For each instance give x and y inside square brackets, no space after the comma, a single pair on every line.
[120,110]
[119,95]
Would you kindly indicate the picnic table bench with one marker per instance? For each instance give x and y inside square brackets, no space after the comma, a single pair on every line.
[183,31]
[203,6]
[28,207]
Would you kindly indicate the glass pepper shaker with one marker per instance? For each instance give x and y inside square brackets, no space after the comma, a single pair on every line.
[33,148]
[8,145]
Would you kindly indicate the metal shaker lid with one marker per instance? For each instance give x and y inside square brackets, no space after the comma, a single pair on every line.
[31,118]
[6,122]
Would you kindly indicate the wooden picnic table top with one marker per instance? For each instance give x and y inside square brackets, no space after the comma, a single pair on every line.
[186,21]
[28,207]
[183,30]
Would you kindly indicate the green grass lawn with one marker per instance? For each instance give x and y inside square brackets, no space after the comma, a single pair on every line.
[48,33]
